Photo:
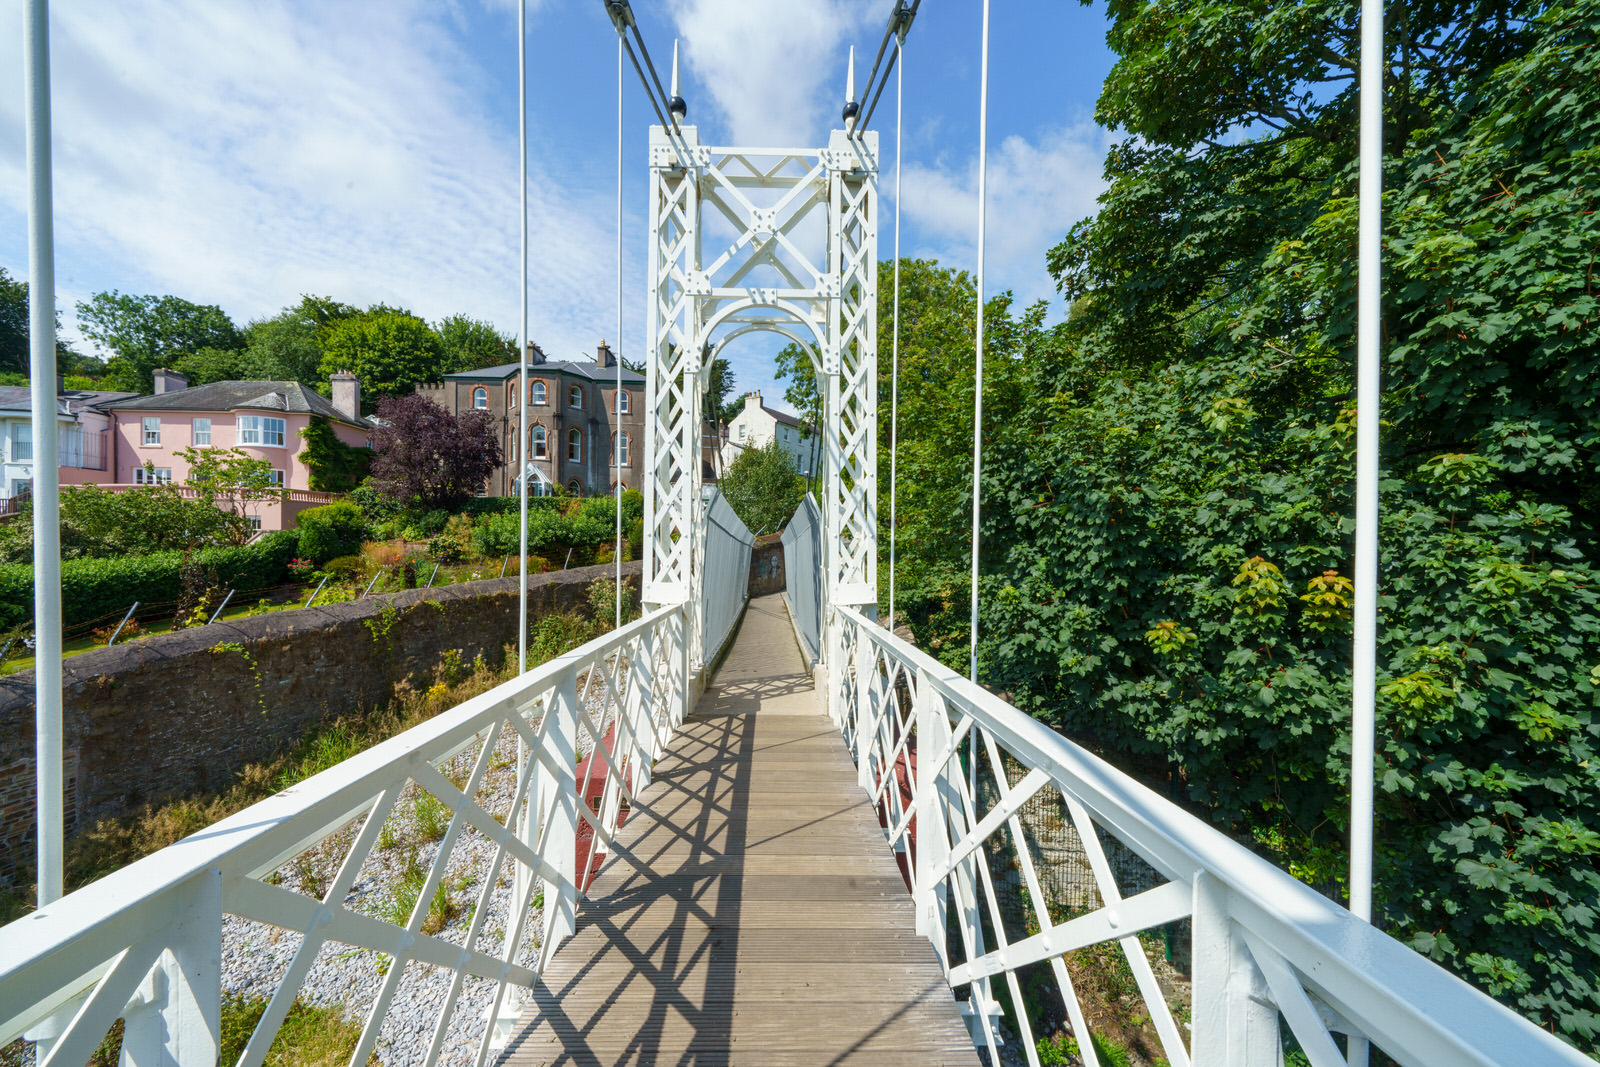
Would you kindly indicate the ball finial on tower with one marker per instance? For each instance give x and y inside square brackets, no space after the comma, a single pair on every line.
[852,107]
[676,105]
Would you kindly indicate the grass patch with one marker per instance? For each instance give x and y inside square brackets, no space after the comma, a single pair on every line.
[431,815]
[310,1036]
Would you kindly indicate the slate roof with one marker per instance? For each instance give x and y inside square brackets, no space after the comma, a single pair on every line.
[294,398]
[590,370]
[20,398]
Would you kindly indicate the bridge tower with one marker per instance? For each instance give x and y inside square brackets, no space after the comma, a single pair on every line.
[781,240]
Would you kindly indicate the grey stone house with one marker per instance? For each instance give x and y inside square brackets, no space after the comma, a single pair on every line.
[582,433]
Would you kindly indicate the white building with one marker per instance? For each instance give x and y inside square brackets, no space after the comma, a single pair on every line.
[83,440]
[757,424]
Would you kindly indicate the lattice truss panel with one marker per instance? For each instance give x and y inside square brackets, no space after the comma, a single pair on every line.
[778,240]
[1036,892]
[413,887]
[852,411]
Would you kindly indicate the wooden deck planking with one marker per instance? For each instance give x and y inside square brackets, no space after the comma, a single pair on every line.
[752,915]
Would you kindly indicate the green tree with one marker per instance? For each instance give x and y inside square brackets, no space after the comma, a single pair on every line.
[763,487]
[217,365]
[14,333]
[470,344]
[1167,564]
[721,403]
[234,482]
[391,351]
[135,522]
[146,332]
[286,347]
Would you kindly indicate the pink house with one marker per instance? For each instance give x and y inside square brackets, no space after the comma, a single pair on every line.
[261,418]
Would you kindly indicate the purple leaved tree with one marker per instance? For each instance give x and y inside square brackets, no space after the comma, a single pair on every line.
[427,455]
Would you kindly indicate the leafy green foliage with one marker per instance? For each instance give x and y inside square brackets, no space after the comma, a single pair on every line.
[469,344]
[98,523]
[14,333]
[233,481]
[390,351]
[92,588]
[146,332]
[1168,519]
[763,488]
[335,466]
[330,531]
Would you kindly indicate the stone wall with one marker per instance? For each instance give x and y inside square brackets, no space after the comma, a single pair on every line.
[164,716]
[766,566]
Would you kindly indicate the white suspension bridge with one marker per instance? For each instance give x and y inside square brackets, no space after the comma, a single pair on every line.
[798,859]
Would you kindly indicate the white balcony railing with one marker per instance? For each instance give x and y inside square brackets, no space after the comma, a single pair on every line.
[143,943]
[952,766]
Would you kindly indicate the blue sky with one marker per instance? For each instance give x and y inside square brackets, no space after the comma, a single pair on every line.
[240,155]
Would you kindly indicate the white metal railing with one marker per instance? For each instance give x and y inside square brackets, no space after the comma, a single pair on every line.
[724,576]
[143,943]
[951,766]
[802,569]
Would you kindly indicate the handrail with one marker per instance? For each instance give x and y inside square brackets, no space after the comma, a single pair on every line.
[1264,942]
[149,931]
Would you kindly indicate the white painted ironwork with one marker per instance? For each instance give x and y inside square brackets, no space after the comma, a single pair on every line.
[47,475]
[725,579]
[143,943]
[802,571]
[771,239]
[951,766]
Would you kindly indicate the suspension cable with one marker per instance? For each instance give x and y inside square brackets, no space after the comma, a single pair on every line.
[616,399]
[522,376]
[899,25]
[977,391]
[894,363]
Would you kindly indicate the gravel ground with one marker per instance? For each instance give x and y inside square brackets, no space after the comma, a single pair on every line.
[255,957]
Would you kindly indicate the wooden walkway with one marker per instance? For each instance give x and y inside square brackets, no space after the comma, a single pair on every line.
[753,915]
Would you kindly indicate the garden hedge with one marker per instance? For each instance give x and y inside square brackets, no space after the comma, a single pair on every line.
[91,588]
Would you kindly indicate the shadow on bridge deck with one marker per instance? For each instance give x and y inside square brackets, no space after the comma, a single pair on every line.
[752,914]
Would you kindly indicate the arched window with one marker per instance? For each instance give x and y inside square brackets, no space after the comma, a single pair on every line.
[619,450]
[575,487]
[623,400]
[480,397]
[539,443]
[538,393]
[575,397]
[575,445]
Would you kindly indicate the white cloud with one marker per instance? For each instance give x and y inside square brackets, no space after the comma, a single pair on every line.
[773,67]
[1036,191]
[243,154]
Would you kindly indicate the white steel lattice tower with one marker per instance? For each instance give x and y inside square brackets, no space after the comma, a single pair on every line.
[789,245]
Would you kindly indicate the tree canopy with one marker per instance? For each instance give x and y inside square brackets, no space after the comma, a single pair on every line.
[391,352]
[762,487]
[429,456]
[1168,474]
[146,332]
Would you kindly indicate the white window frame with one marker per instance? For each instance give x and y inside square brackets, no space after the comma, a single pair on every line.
[623,404]
[480,399]
[538,392]
[21,442]
[620,448]
[541,442]
[575,390]
[278,478]
[150,425]
[260,428]
[575,445]
[200,433]
[254,521]
[154,476]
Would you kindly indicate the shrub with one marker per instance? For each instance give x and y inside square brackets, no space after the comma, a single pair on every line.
[335,529]
[92,588]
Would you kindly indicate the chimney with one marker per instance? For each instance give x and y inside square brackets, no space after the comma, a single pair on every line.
[347,395]
[168,381]
[604,356]
[535,353]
